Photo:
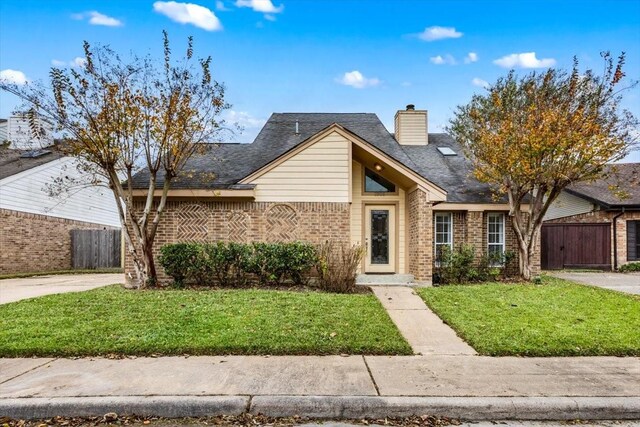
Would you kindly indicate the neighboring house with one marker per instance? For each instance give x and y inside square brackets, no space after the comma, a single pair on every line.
[595,224]
[16,131]
[319,176]
[35,227]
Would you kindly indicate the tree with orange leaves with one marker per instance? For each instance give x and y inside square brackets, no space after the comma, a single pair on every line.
[119,118]
[531,137]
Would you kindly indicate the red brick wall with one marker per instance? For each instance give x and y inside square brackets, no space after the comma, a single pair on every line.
[36,243]
[185,221]
[602,216]
[420,233]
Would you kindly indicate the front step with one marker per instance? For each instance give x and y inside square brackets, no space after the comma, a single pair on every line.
[385,279]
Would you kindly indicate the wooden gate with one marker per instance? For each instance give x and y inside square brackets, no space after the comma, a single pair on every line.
[576,246]
[92,249]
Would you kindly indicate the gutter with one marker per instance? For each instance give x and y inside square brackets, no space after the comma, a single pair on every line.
[615,239]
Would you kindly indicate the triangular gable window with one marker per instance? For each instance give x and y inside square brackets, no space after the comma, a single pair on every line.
[374,183]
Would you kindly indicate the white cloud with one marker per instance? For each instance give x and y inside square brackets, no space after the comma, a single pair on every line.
[441,60]
[244,119]
[479,82]
[264,6]
[189,13]
[405,84]
[97,18]
[524,60]
[221,7]
[58,63]
[438,33]
[471,57]
[356,79]
[269,17]
[78,61]
[13,76]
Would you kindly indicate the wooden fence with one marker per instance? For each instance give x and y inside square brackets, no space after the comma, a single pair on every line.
[95,249]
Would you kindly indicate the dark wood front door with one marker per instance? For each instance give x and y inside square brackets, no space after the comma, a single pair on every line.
[576,246]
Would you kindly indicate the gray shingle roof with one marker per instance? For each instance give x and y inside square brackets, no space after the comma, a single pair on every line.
[223,165]
[620,188]
[12,163]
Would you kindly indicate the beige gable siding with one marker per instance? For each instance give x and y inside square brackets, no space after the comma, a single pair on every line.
[568,205]
[320,173]
[411,128]
[359,199]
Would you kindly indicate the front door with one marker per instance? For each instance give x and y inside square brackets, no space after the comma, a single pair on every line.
[380,239]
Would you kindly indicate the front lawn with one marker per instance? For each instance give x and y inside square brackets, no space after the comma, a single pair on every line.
[557,318]
[112,320]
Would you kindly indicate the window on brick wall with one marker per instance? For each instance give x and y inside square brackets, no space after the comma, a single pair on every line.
[633,240]
[443,233]
[495,236]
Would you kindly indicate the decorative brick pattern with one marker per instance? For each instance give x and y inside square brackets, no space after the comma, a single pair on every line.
[193,223]
[238,224]
[606,217]
[249,222]
[420,230]
[36,243]
[282,223]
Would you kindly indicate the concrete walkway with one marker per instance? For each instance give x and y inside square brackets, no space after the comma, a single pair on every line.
[622,282]
[424,331]
[29,287]
[472,387]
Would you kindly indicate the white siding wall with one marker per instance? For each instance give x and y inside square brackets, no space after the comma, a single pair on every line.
[567,205]
[357,215]
[320,173]
[26,192]
[20,136]
[411,127]
[3,131]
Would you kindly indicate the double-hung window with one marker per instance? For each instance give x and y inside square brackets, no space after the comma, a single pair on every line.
[633,240]
[443,233]
[495,237]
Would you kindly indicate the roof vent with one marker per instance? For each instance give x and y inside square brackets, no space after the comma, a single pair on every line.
[297,128]
[33,154]
[446,151]
[411,107]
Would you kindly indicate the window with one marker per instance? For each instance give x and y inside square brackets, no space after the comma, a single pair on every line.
[443,233]
[633,240]
[495,237]
[374,183]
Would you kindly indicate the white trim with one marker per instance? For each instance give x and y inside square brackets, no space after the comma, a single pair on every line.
[450,233]
[502,233]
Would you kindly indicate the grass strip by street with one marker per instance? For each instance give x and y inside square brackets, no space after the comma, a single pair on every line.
[113,320]
[59,272]
[556,318]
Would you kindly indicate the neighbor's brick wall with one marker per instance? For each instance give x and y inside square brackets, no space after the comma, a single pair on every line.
[420,231]
[186,221]
[601,216]
[36,243]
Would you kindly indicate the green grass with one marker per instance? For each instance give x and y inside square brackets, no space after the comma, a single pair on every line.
[113,320]
[58,272]
[557,318]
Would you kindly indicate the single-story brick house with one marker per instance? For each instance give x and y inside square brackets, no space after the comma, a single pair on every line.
[36,228]
[595,224]
[345,177]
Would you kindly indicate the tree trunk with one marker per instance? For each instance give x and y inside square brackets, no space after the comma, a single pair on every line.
[150,265]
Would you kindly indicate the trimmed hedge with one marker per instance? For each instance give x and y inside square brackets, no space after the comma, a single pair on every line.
[235,264]
[627,268]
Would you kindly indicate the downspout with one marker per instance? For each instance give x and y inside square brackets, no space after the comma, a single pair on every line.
[615,240]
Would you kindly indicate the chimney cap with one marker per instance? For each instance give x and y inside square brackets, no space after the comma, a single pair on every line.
[411,107]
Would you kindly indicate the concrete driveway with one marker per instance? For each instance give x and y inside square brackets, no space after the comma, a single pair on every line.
[30,287]
[623,282]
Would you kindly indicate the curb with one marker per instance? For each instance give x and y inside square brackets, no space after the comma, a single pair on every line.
[330,407]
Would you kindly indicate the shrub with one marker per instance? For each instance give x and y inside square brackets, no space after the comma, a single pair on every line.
[178,259]
[462,266]
[230,264]
[338,266]
[632,266]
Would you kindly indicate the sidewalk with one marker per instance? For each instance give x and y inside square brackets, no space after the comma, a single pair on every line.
[425,332]
[471,387]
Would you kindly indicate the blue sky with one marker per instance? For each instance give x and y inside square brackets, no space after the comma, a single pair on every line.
[332,55]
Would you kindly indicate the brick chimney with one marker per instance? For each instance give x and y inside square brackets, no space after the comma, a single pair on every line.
[411,126]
